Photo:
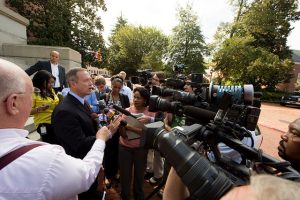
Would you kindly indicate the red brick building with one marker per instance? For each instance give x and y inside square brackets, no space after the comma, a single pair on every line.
[294,83]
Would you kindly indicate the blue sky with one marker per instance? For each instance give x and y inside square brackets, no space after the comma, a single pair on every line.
[162,14]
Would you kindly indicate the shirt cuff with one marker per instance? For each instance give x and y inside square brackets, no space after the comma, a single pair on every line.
[109,134]
[152,119]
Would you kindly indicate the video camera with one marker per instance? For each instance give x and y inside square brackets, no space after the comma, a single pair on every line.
[212,179]
[209,97]
[206,179]
[179,68]
[143,77]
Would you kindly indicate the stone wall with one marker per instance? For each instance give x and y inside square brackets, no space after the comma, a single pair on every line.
[13,43]
[27,55]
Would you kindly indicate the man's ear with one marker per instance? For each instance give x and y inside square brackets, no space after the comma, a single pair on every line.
[11,104]
[72,84]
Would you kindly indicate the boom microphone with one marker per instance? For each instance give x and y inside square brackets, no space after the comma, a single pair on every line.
[125,112]
[203,116]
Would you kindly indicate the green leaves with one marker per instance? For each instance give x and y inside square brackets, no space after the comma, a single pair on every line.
[187,44]
[256,51]
[70,23]
[136,47]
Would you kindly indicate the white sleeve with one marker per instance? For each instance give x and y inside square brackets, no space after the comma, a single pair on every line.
[130,95]
[68,176]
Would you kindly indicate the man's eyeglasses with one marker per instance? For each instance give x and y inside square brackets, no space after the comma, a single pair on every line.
[35,90]
[17,93]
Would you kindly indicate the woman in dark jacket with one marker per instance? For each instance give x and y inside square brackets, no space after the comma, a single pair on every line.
[112,146]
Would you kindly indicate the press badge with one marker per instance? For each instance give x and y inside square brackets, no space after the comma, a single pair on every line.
[43,130]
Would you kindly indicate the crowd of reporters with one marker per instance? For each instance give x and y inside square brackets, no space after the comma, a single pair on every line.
[76,122]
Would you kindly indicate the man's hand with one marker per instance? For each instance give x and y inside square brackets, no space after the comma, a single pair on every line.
[103,134]
[106,133]
[114,125]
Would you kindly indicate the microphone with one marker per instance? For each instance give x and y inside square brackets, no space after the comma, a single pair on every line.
[125,112]
[95,117]
[201,115]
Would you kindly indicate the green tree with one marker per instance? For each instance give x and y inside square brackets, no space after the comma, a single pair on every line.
[256,52]
[242,63]
[70,23]
[240,7]
[187,44]
[269,22]
[135,48]
[121,21]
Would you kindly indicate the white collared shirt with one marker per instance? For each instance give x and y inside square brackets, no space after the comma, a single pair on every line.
[127,91]
[55,73]
[46,172]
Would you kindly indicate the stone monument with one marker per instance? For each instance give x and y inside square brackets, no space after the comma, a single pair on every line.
[13,43]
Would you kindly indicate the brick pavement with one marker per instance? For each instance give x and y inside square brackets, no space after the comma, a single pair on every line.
[114,192]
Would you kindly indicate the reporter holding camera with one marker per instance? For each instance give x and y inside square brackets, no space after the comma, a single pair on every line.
[44,100]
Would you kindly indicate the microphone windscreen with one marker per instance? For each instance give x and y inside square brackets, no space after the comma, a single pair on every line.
[105,110]
[125,112]
[202,116]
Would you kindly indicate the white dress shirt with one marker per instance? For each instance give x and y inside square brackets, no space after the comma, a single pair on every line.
[127,91]
[46,172]
[55,73]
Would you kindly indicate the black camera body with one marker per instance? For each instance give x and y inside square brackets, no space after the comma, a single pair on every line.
[212,179]
[179,68]
[143,77]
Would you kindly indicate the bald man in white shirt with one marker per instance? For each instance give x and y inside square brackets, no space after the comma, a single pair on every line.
[54,68]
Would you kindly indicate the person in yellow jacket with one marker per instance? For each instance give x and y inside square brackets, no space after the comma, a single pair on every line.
[44,101]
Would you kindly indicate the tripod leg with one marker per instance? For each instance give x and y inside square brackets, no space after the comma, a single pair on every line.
[156,190]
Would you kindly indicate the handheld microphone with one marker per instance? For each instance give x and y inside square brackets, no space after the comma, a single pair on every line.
[202,115]
[125,112]
[95,117]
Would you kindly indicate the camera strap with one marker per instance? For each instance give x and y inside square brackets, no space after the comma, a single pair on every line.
[11,156]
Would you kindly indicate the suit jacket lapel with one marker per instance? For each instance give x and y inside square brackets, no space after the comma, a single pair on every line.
[78,104]
[49,67]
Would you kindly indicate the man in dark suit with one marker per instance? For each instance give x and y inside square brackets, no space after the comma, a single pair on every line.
[53,67]
[73,121]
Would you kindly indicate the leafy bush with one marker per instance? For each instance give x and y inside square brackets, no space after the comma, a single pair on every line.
[272,96]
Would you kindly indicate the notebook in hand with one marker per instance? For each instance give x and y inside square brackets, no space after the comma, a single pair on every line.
[134,122]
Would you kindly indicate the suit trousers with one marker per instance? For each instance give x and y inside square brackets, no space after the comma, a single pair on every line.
[133,160]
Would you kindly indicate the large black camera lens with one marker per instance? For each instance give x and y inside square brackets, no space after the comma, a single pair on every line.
[185,98]
[175,83]
[163,92]
[159,104]
[203,180]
